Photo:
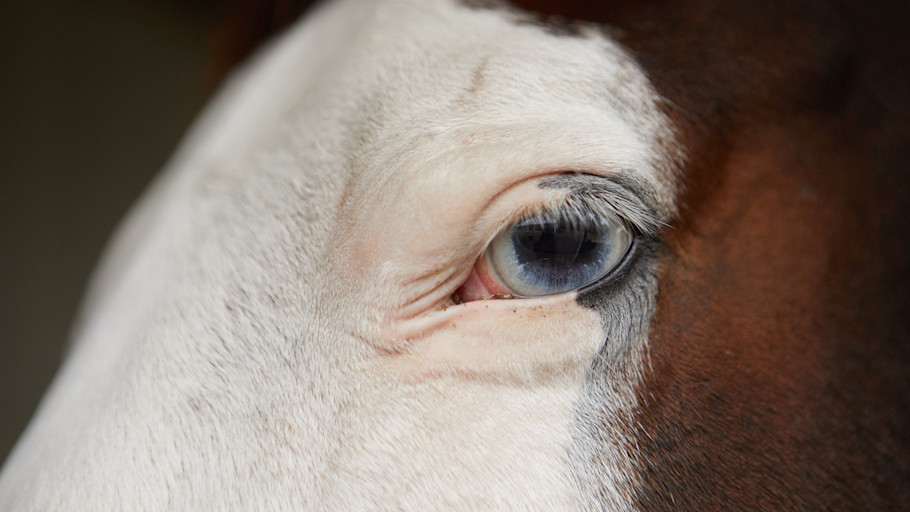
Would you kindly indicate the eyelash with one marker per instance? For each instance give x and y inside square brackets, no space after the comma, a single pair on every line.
[573,245]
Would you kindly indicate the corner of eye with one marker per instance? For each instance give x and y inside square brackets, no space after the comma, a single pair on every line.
[480,284]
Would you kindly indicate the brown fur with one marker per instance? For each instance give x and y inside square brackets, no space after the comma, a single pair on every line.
[780,351]
[247,23]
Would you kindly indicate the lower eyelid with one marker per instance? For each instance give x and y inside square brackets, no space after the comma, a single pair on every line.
[482,284]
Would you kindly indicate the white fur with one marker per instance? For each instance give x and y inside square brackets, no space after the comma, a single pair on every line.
[271,329]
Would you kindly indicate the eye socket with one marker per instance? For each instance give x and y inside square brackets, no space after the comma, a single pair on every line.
[547,254]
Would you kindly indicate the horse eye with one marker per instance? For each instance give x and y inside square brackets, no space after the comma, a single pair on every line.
[546,255]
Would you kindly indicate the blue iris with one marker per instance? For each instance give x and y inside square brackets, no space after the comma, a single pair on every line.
[543,255]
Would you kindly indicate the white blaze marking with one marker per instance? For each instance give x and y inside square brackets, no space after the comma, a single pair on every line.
[267,332]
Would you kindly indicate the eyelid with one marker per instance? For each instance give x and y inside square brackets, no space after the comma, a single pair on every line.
[590,202]
[592,197]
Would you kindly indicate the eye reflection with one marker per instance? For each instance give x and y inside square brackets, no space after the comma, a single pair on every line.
[546,255]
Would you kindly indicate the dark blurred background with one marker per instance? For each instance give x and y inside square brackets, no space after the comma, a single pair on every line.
[94,96]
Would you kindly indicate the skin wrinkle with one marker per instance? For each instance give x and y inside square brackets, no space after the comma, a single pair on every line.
[698,98]
[251,365]
[769,373]
[761,383]
[832,151]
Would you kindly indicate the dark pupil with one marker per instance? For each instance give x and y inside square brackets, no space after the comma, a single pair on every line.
[555,247]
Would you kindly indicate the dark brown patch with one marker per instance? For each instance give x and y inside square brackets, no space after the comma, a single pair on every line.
[781,347]
[246,24]
[780,351]
[551,23]
[779,377]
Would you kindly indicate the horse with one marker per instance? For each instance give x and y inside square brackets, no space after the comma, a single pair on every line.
[527,255]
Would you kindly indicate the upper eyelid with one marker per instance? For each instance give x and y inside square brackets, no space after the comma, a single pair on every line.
[592,196]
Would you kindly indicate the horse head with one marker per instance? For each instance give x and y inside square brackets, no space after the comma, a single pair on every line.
[441,254]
